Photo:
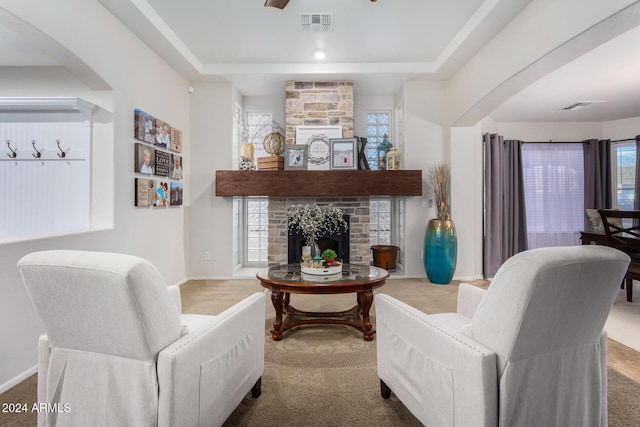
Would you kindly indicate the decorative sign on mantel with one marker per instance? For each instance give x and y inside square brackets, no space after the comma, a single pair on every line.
[318,141]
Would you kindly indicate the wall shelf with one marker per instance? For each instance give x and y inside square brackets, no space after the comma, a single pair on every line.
[304,183]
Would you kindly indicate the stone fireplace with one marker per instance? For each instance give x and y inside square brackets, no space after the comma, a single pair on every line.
[339,242]
[319,103]
[357,208]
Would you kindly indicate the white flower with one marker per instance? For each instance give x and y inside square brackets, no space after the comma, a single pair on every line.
[314,220]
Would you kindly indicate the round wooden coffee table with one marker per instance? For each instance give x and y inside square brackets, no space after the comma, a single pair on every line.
[283,280]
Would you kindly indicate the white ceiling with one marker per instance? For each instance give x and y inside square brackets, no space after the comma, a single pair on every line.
[378,45]
[610,73]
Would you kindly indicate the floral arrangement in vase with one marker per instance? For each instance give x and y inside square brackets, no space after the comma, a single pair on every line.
[315,220]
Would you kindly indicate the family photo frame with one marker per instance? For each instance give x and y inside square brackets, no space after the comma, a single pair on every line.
[295,157]
[344,153]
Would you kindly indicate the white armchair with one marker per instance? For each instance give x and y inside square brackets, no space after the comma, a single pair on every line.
[118,351]
[529,351]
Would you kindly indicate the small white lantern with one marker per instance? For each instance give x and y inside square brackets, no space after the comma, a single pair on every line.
[393,160]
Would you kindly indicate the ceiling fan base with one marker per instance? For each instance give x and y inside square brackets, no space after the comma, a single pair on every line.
[278,4]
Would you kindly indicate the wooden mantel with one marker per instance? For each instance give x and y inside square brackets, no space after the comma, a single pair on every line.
[302,183]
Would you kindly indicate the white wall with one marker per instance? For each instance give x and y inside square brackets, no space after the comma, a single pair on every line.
[362,104]
[621,129]
[267,104]
[557,132]
[210,217]
[139,79]
[426,141]
[466,199]
[525,50]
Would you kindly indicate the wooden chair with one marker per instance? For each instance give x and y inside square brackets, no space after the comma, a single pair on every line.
[622,229]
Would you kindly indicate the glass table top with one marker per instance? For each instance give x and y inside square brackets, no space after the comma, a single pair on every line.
[350,273]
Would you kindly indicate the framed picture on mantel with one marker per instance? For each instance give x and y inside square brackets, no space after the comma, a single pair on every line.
[295,157]
[318,141]
[344,154]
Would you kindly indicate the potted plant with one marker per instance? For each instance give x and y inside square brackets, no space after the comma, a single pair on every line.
[440,243]
[329,256]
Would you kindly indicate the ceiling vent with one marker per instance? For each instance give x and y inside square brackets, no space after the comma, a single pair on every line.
[315,22]
[579,105]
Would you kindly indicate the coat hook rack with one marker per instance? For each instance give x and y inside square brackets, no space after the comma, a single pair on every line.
[62,154]
[13,152]
[37,153]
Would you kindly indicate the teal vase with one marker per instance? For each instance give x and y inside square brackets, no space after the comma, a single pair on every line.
[440,251]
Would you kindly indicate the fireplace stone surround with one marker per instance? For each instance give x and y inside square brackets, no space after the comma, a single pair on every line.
[356,207]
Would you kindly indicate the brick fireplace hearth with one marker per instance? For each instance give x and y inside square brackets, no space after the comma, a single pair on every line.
[356,207]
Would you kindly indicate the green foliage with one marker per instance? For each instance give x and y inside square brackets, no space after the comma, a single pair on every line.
[329,253]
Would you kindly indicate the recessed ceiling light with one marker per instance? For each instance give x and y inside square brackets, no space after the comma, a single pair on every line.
[580,104]
[319,54]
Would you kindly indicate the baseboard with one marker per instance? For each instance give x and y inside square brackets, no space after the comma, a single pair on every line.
[469,278]
[23,376]
[224,278]
[182,282]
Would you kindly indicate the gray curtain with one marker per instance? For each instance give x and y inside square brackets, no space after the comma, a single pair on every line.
[505,217]
[597,174]
[636,195]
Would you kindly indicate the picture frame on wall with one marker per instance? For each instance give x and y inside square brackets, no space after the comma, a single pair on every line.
[163,161]
[176,190]
[176,140]
[318,141]
[295,157]
[163,134]
[162,196]
[144,159]
[144,126]
[175,171]
[344,153]
[144,191]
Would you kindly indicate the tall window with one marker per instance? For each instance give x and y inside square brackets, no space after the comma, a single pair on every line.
[380,220]
[624,171]
[256,127]
[554,193]
[251,224]
[378,125]
[257,231]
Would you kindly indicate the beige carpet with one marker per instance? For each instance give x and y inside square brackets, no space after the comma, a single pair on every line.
[623,324]
[326,375]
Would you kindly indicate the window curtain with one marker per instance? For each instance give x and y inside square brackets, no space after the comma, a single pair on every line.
[554,193]
[597,174]
[505,223]
[636,195]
